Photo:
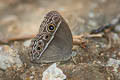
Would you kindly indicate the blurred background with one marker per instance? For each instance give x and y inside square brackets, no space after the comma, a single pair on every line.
[23,17]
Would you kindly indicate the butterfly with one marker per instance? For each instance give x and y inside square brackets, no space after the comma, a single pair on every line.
[53,43]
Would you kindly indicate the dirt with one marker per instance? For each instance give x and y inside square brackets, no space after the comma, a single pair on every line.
[92,59]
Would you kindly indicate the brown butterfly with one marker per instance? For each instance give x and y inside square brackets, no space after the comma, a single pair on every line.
[53,42]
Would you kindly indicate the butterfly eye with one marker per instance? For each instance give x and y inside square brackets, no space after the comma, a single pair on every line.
[51,27]
[39,48]
[40,43]
[46,36]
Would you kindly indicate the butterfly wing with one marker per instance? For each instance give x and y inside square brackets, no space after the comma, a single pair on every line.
[60,48]
[54,41]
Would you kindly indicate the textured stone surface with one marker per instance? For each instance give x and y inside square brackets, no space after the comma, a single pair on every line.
[9,57]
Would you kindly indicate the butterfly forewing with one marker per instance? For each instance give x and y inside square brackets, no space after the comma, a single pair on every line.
[47,31]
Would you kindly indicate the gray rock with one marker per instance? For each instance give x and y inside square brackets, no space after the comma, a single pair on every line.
[117,28]
[27,43]
[9,57]
[113,62]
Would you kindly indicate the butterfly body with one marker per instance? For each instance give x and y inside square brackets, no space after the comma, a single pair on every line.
[53,42]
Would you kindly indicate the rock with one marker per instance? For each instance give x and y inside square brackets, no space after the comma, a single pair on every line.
[115,36]
[114,63]
[27,43]
[53,73]
[9,57]
[91,14]
[117,28]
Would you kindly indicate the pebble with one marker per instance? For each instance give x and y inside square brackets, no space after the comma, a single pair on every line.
[115,36]
[8,58]
[27,43]
[117,28]
[113,62]
[92,23]
[53,73]
[91,14]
